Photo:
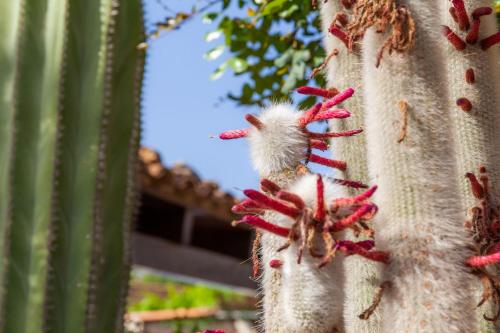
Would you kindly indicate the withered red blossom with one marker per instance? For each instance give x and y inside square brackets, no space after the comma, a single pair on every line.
[324,218]
[483,225]
[384,15]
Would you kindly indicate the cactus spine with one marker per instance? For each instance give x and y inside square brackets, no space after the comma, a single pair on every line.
[73,126]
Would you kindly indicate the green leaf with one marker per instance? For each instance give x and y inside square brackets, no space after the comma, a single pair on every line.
[287,13]
[209,17]
[301,56]
[284,58]
[217,74]
[213,35]
[238,65]
[272,7]
[290,83]
[247,91]
[214,53]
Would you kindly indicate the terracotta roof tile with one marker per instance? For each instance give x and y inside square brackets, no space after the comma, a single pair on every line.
[181,185]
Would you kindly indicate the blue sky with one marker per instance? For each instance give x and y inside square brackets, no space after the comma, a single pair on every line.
[182,107]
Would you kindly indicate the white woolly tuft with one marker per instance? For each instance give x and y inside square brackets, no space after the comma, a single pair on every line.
[281,144]
[312,297]
[305,187]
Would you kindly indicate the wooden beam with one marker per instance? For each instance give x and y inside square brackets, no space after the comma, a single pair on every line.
[190,261]
[187,226]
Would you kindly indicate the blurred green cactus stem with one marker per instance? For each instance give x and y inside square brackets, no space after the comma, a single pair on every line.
[70,88]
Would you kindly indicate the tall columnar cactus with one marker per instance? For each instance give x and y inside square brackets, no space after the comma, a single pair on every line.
[70,97]
[429,105]
[345,69]
[422,138]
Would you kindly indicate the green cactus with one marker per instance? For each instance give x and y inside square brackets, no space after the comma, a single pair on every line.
[69,130]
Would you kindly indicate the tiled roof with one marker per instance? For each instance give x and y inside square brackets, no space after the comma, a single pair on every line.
[181,185]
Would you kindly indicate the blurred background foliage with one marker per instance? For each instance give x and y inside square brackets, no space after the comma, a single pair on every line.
[152,292]
[273,44]
[180,295]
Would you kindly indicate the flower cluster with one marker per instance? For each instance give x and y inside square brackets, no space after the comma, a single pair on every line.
[279,136]
[323,218]
[460,16]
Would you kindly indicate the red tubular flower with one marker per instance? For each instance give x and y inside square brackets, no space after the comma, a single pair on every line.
[337,113]
[318,144]
[275,263]
[479,261]
[453,14]
[326,93]
[470,77]
[362,249]
[349,246]
[462,17]
[366,244]
[473,34]
[271,203]
[356,199]
[233,134]
[319,213]
[269,186]
[481,11]
[477,189]
[292,198]
[259,223]
[308,116]
[337,99]
[488,42]
[349,183]
[340,34]
[453,38]
[379,256]
[334,134]
[362,211]
[254,121]
[247,207]
[464,104]
[341,165]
